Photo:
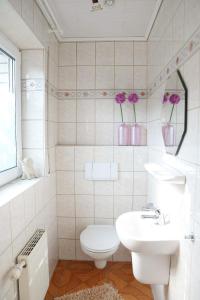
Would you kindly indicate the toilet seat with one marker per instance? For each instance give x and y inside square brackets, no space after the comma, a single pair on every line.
[99,238]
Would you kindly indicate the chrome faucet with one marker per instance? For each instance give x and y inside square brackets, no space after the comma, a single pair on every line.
[155,213]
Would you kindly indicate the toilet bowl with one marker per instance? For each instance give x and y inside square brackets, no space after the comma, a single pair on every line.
[99,242]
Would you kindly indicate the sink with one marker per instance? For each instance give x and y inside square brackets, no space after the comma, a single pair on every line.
[145,236]
[150,244]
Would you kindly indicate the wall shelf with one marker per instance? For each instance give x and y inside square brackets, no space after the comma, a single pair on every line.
[165,173]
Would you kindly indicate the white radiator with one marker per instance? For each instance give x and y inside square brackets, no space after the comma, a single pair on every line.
[34,280]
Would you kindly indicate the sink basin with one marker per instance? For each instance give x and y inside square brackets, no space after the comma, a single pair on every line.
[141,235]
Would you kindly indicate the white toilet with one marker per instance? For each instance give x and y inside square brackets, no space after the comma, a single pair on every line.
[99,242]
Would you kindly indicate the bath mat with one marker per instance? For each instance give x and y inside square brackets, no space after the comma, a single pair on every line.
[102,292]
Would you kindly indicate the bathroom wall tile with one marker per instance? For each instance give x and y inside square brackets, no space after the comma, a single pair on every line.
[83,186]
[140,158]
[6,263]
[67,110]
[104,77]
[124,185]
[85,133]
[103,206]
[65,182]
[140,77]
[105,53]
[85,77]
[84,206]
[83,154]
[32,134]
[66,249]
[66,228]
[65,205]
[123,77]
[104,133]
[67,133]
[85,110]
[139,202]
[104,110]
[102,221]
[140,53]
[122,204]
[103,187]
[103,154]
[67,54]
[65,158]
[81,224]
[29,205]
[124,53]
[30,71]
[122,254]
[80,255]
[67,78]
[85,53]
[5,228]
[32,105]
[17,214]
[139,183]
[124,157]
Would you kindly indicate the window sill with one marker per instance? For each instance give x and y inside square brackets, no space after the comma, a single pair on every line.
[15,188]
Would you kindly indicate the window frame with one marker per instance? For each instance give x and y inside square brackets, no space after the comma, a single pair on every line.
[9,48]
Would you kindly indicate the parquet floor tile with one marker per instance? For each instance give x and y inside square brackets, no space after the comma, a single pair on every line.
[72,276]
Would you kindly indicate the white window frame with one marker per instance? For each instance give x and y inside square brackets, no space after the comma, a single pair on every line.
[7,46]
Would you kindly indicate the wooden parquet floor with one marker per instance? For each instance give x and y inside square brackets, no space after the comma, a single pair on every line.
[72,276]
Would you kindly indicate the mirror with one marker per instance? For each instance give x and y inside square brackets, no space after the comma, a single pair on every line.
[174,113]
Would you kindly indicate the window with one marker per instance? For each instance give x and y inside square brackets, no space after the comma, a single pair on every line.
[10,138]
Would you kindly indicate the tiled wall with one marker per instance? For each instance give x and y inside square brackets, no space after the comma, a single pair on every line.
[172,46]
[81,202]
[90,74]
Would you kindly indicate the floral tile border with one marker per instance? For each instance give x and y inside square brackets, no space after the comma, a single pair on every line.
[97,94]
[32,84]
[190,47]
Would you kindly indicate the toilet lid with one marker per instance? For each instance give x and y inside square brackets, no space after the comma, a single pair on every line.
[99,238]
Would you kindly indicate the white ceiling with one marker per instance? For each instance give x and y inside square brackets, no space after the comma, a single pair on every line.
[126,19]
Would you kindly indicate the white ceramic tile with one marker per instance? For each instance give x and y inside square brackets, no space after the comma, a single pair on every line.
[83,154]
[140,77]
[66,228]
[103,206]
[32,105]
[85,77]
[104,77]
[124,53]
[124,185]
[29,205]
[65,182]
[30,70]
[103,153]
[81,224]
[103,187]
[85,133]
[80,255]
[123,77]
[139,183]
[104,110]
[140,158]
[105,53]
[85,53]
[17,214]
[139,202]
[104,134]
[123,156]
[66,249]
[84,206]
[66,133]
[85,110]
[102,221]
[6,263]
[83,186]
[67,54]
[5,228]
[67,77]
[65,158]
[67,110]
[32,134]
[140,53]
[65,206]
[122,254]
[122,204]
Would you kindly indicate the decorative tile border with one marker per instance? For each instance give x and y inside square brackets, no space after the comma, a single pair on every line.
[95,94]
[190,47]
[32,84]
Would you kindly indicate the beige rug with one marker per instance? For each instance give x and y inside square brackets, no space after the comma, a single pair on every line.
[102,292]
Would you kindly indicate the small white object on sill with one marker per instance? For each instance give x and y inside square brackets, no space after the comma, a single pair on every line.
[28,171]
[101,171]
[165,173]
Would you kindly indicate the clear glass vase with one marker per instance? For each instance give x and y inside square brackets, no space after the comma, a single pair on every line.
[124,135]
[168,133]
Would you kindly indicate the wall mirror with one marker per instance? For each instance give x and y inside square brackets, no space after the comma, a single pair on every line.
[174,113]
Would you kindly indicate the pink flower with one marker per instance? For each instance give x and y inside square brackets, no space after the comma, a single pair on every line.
[165,98]
[174,99]
[133,98]
[120,97]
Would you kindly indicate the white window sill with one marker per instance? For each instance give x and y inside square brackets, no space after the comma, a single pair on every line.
[15,188]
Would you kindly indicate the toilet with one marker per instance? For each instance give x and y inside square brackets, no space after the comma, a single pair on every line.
[99,242]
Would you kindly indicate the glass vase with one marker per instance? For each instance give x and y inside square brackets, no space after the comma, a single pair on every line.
[123,135]
[168,133]
[136,135]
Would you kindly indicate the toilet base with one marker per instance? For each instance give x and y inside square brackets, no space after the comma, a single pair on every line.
[100,264]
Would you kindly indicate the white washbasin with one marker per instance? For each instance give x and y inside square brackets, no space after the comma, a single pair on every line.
[141,235]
